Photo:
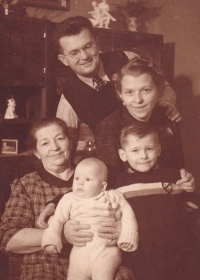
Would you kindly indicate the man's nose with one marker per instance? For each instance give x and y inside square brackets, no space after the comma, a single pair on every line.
[83,54]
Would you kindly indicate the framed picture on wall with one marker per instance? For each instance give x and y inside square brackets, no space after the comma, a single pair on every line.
[9,146]
[47,4]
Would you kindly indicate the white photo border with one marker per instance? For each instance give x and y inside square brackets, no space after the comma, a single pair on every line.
[11,149]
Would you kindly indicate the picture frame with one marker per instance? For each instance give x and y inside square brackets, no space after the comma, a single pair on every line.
[9,146]
[47,4]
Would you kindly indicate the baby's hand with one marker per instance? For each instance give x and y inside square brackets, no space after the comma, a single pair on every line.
[51,249]
[48,211]
[129,247]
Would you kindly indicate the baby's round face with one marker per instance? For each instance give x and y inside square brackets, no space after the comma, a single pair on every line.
[87,181]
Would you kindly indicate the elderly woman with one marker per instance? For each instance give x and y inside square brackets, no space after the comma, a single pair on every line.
[19,232]
[139,85]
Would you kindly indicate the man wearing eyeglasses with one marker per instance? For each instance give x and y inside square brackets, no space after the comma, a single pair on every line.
[88,96]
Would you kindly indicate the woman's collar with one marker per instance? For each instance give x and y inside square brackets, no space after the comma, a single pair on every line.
[53,180]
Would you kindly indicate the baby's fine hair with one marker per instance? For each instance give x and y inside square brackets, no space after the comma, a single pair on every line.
[139,130]
[69,27]
[136,67]
[103,170]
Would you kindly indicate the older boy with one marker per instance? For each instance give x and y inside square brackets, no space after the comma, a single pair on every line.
[159,204]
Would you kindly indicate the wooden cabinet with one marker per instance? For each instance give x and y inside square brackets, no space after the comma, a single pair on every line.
[22,55]
[147,45]
[28,61]
[25,66]
[31,72]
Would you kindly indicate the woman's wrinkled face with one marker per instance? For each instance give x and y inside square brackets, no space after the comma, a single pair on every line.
[139,94]
[53,148]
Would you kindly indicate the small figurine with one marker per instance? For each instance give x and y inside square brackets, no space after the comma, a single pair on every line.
[101,16]
[105,15]
[96,14]
[10,111]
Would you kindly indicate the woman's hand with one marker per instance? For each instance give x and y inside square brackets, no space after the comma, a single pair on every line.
[47,212]
[187,182]
[77,234]
[110,230]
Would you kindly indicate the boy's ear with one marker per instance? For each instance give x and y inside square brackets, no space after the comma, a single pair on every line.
[63,60]
[159,150]
[104,186]
[122,155]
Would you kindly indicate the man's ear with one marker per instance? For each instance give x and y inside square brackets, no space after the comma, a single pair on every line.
[104,186]
[122,155]
[159,150]
[97,43]
[36,154]
[63,59]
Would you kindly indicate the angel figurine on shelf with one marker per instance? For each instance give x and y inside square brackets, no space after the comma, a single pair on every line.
[96,14]
[10,111]
[100,14]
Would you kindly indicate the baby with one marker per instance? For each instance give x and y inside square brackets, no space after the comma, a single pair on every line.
[95,260]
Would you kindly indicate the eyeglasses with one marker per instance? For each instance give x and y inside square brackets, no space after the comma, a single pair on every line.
[77,53]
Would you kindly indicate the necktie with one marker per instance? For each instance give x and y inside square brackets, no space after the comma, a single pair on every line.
[98,83]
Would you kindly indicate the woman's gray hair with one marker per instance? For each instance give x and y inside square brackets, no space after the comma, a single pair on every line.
[41,123]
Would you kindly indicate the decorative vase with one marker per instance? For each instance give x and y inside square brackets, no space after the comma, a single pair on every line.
[132,24]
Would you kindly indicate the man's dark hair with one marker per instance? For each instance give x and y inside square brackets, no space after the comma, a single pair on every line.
[71,26]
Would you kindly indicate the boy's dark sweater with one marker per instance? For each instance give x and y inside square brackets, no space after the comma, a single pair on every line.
[162,218]
[161,214]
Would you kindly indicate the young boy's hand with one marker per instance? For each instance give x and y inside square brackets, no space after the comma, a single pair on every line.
[187,181]
[45,214]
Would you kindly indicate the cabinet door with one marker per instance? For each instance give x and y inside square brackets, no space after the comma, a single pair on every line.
[22,52]
[146,45]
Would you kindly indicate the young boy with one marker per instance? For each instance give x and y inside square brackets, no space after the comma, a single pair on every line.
[95,260]
[159,206]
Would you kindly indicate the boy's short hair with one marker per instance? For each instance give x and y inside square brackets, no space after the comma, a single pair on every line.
[138,129]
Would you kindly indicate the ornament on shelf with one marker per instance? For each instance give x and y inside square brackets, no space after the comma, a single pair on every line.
[100,14]
[10,111]
[137,13]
